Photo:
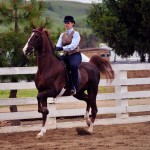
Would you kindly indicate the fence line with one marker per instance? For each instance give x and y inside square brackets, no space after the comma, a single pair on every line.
[121,109]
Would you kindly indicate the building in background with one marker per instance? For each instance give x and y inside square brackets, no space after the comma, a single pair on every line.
[103,51]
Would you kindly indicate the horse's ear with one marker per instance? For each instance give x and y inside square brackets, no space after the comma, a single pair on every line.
[41,28]
[32,25]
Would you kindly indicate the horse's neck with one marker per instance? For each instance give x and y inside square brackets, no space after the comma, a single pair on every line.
[49,66]
[44,61]
[47,60]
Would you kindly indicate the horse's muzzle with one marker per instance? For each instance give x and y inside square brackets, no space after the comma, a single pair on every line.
[28,51]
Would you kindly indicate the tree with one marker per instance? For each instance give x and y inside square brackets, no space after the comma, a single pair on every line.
[143,41]
[88,40]
[120,23]
[17,17]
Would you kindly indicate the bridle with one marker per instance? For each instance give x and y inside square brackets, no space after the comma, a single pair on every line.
[42,52]
[36,40]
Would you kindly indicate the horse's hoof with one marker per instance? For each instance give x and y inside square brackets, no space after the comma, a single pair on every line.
[90,131]
[39,136]
[82,131]
[88,122]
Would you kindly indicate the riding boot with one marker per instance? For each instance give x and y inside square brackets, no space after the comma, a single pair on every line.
[68,77]
[71,85]
[73,90]
[74,77]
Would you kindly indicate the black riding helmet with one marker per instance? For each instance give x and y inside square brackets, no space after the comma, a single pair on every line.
[69,19]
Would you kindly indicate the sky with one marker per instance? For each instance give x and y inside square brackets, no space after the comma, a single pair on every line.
[85,1]
[82,1]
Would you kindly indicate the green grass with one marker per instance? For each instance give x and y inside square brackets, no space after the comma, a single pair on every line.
[20,93]
[33,93]
[4,94]
[105,89]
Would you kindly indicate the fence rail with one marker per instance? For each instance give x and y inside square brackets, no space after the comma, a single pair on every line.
[120,97]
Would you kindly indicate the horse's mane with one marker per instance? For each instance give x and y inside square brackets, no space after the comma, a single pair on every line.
[48,36]
[47,32]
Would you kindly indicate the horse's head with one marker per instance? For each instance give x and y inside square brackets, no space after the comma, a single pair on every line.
[34,42]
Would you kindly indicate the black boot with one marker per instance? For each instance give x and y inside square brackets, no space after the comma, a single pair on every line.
[73,90]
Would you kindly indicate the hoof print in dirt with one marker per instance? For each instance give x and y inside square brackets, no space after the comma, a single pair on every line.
[82,131]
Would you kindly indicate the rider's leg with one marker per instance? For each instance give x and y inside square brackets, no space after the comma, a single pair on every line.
[74,62]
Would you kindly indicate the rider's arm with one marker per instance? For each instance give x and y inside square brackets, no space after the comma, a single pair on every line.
[59,43]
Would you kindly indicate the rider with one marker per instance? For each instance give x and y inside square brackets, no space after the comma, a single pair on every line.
[69,42]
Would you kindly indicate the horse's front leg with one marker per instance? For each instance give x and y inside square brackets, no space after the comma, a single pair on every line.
[42,108]
[43,129]
[44,112]
[41,96]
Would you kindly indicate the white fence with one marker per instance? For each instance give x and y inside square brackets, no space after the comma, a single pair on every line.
[121,96]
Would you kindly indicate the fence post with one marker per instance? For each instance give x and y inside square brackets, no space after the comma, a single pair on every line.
[51,121]
[121,89]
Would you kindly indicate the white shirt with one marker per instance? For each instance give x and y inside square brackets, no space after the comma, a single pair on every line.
[75,41]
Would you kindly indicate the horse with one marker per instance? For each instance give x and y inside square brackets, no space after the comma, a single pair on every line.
[50,78]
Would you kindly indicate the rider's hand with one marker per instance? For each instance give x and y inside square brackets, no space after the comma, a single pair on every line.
[58,48]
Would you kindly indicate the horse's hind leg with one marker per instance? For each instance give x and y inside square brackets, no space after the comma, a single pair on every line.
[82,96]
[86,116]
[92,103]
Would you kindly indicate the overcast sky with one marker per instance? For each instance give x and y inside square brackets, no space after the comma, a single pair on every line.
[85,1]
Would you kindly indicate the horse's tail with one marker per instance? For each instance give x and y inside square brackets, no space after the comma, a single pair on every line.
[103,66]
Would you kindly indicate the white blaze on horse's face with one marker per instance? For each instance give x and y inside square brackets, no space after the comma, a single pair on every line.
[26,46]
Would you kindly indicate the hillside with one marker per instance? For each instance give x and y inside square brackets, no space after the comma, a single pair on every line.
[58,9]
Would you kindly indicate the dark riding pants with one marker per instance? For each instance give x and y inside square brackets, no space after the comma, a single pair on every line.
[73,61]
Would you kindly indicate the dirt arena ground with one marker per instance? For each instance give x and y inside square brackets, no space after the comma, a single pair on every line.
[110,137]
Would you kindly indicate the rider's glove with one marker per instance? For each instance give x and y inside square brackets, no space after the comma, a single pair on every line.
[58,48]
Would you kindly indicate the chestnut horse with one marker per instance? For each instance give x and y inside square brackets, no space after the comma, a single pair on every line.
[50,78]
